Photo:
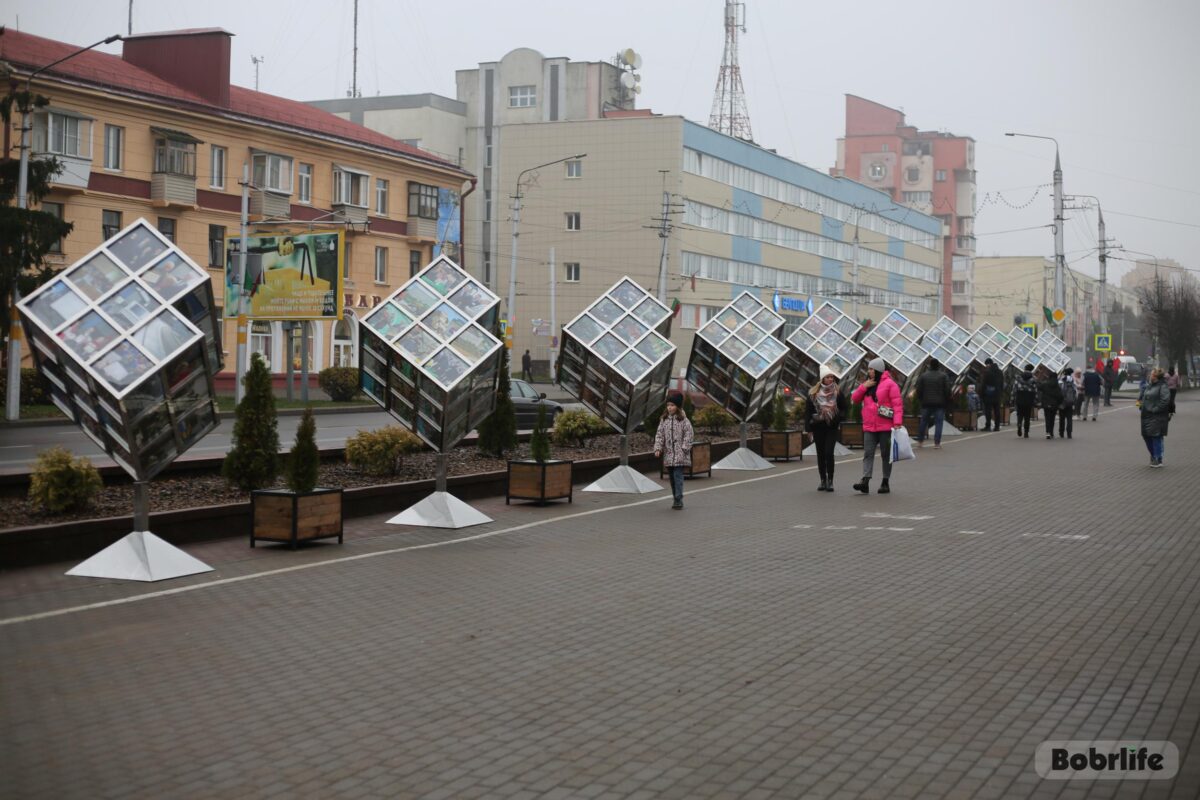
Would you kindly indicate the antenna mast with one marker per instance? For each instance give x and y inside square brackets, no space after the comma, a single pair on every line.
[354,76]
[729,114]
[257,60]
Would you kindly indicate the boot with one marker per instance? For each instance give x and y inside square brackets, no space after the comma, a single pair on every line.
[824,487]
[864,486]
[884,488]
[829,485]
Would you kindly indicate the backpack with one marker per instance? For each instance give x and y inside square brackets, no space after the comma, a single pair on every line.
[1068,390]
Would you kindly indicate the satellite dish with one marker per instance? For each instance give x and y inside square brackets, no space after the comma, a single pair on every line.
[627,80]
[637,61]
[637,90]
[627,56]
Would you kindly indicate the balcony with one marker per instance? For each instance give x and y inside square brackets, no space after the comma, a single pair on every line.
[268,203]
[173,179]
[964,244]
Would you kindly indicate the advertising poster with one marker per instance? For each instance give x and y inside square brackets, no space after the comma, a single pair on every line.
[290,276]
[447,225]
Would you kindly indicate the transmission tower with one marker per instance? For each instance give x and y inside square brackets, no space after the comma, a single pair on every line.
[729,114]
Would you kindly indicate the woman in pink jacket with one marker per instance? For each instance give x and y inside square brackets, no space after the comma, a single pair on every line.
[882,411]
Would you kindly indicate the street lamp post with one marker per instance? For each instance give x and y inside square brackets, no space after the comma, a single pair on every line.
[1059,259]
[512,269]
[13,395]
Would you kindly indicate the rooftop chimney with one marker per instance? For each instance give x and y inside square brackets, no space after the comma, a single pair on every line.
[196,59]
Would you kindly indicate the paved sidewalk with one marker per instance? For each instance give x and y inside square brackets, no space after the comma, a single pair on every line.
[769,641]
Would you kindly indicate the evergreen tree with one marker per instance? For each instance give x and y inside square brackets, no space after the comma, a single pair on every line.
[254,460]
[539,442]
[26,235]
[305,458]
[778,414]
[498,432]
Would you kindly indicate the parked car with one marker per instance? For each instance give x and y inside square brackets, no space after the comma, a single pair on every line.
[526,402]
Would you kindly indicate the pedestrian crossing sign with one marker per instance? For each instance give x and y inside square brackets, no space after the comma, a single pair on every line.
[1103,342]
[1030,328]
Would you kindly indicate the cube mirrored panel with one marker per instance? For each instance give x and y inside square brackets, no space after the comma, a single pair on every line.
[737,358]
[825,338]
[896,339]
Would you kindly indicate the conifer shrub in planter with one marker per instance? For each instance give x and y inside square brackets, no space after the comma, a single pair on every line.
[340,383]
[540,478]
[781,442]
[303,511]
[574,428]
[254,460]
[713,419]
[381,452]
[61,482]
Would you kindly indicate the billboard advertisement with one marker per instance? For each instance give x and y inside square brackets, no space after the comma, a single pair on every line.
[448,239]
[289,276]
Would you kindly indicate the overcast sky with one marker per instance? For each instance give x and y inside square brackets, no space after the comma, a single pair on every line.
[1113,81]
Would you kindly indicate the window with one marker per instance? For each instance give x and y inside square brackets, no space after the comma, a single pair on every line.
[487,204]
[63,134]
[940,175]
[260,340]
[958,287]
[346,263]
[175,157]
[522,96]
[572,268]
[381,196]
[216,163]
[350,188]
[57,210]
[575,169]
[487,268]
[918,197]
[414,262]
[216,246]
[574,221]
[381,265]
[110,223]
[885,147]
[306,172]
[422,201]
[272,172]
[913,174]
[487,152]
[877,171]
[166,226]
[343,343]
[114,147]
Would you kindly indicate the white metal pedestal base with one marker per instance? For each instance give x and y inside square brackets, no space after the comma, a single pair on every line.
[743,458]
[950,430]
[839,449]
[140,556]
[440,510]
[624,480]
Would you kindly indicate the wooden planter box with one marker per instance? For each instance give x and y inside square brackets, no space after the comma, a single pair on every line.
[851,434]
[912,423]
[540,482]
[783,445]
[701,462]
[963,420]
[281,515]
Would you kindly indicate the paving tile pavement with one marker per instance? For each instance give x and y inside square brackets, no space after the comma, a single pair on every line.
[768,641]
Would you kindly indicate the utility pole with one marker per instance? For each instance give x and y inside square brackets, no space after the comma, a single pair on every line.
[1059,257]
[664,233]
[553,319]
[354,72]
[854,269]
[130,18]
[1103,273]
[239,390]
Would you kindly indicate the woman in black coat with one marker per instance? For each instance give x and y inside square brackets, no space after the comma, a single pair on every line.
[823,415]
[1155,403]
[1051,396]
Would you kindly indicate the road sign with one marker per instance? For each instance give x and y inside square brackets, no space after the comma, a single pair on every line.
[1103,342]
[1030,328]
[1059,316]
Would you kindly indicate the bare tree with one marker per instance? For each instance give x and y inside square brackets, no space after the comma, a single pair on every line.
[1171,314]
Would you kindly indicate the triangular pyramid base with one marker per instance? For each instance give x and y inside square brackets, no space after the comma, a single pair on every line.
[140,556]
[440,510]
[743,458]
[839,449]
[624,480]
[950,430]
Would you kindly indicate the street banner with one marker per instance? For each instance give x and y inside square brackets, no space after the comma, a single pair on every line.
[291,276]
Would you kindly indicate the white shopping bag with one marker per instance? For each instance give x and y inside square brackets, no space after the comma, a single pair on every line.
[902,449]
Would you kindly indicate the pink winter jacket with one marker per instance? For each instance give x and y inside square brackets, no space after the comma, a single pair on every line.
[888,394]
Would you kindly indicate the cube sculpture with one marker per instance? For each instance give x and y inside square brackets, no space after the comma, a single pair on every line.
[737,359]
[428,355]
[1053,351]
[947,341]
[825,338]
[1024,349]
[127,338]
[896,340]
[988,342]
[615,355]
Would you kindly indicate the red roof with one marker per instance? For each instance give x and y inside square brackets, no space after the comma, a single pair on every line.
[27,52]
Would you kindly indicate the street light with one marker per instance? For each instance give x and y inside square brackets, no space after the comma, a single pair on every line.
[13,399]
[512,270]
[1060,298]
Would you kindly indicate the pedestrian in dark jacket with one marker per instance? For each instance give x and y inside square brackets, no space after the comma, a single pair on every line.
[823,415]
[673,443]
[1110,381]
[992,389]
[1051,396]
[1093,384]
[933,393]
[1066,412]
[1155,403]
[1025,397]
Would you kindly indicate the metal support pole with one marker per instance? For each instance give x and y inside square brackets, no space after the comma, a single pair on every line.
[289,331]
[512,265]
[1060,299]
[553,321]
[664,234]
[12,405]
[441,472]
[242,320]
[1103,274]
[854,272]
[624,450]
[141,506]
[304,334]
[743,435]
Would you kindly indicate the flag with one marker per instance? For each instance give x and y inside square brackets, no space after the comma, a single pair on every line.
[1049,315]
[675,307]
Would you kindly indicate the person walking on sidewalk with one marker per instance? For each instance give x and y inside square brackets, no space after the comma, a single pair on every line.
[673,444]
[1173,385]
[1092,384]
[1025,397]
[933,393]
[1155,404]
[1078,376]
[882,411]
[1051,397]
[1066,414]
[823,417]
[527,367]
[1110,381]
[992,387]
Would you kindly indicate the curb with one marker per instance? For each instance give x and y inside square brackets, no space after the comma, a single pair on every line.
[284,412]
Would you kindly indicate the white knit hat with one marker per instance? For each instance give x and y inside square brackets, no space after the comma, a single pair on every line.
[825,370]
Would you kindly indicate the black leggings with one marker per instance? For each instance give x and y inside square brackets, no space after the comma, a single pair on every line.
[1023,415]
[1050,413]
[824,438]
